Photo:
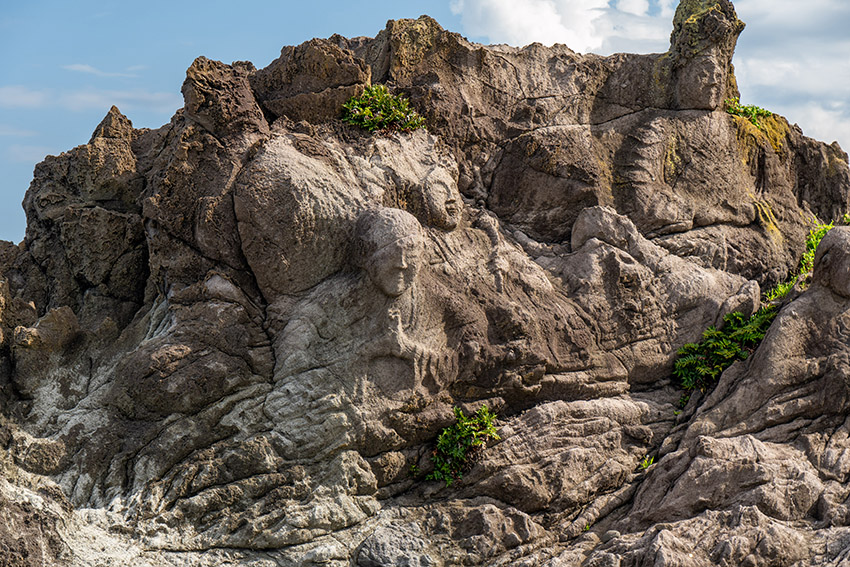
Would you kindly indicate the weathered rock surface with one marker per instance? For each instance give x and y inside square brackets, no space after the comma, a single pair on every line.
[234,339]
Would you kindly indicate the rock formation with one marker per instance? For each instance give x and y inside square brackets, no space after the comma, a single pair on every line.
[234,339]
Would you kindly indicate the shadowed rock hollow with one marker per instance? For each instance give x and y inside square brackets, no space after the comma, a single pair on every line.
[234,339]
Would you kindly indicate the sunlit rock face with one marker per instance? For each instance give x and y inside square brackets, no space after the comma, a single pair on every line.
[236,338]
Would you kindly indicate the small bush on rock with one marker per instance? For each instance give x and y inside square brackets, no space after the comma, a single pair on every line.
[749,111]
[459,445]
[377,109]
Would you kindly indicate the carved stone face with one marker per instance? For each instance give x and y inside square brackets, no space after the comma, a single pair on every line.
[701,83]
[390,248]
[393,267]
[442,200]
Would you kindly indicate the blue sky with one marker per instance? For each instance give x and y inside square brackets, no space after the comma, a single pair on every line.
[65,63]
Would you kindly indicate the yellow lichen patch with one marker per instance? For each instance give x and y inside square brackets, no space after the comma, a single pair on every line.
[692,26]
[767,220]
[662,73]
[554,161]
[531,147]
[672,161]
[835,162]
[688,17]
[775,129]
[698,15]
[772,129]
[661,70]
[413,39]
[747,136]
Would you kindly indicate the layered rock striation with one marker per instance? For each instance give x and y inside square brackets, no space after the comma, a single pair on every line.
[234,339]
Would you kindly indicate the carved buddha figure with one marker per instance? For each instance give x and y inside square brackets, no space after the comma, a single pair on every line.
[389,248]
[442,201]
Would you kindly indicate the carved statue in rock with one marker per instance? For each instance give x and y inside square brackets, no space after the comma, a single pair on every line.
[389,249]
[369,335]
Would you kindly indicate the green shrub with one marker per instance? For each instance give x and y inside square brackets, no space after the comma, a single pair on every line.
[377,109]
[807,263]
[459,445]
[749,111]
[700,364]
[816,234]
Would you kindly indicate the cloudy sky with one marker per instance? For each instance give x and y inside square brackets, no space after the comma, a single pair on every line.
[65,63]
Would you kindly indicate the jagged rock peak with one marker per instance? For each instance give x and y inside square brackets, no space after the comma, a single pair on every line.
[113,125]
[699,23]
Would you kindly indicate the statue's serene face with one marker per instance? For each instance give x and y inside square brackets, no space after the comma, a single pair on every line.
[393,267]
[702,83]
[442,200]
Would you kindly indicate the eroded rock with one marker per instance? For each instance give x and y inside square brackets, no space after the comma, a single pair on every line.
[235,339]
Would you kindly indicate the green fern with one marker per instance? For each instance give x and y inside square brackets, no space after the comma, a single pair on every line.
[700,365]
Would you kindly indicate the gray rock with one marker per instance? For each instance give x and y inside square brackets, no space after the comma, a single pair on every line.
[833,263]
[235,339]
[395,545]
[310,81]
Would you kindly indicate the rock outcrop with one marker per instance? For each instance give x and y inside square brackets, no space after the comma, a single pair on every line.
[234,339]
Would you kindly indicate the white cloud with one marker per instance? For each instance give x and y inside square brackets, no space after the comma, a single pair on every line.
[19,96]
[827,76]
[583,25]
[668,8]
[783,13]
[83,68]
[28,154]
[630,32]
[635,7]
[819,121]
[571,22]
